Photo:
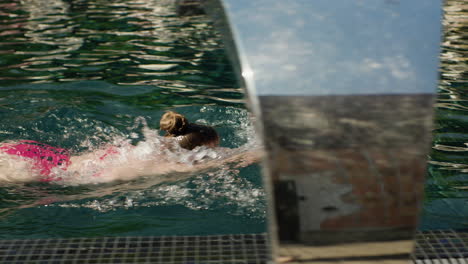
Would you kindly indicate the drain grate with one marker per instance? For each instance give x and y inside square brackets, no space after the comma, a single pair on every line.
[232,249]
[440,247]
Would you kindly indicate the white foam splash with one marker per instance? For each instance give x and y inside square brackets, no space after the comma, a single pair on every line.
[218,186]
[223,189]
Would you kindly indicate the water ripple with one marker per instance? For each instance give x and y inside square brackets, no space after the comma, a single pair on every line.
[448,165]
[123,42]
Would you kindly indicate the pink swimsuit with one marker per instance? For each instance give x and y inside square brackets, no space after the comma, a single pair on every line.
[45,157]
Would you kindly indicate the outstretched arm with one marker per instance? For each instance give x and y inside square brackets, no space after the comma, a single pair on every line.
[239,159]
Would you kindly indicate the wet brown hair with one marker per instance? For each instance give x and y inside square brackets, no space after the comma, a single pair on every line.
[193,134]
[174,123]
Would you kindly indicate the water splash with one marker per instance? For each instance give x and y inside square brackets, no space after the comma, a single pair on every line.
[219,190]
[221,186]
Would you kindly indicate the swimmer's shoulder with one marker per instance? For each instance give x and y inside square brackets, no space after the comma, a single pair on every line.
[202,129]
[198,135]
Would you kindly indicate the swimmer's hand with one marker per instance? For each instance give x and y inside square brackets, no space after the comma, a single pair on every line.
[250,157]
[245,158]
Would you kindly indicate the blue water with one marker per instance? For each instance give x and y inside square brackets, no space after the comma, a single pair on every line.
[82,74]
[446,203]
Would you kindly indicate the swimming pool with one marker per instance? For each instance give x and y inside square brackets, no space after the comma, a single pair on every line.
[80,74]
[446,186]
[85,73]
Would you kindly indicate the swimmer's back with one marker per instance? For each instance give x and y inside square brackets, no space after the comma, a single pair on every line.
[198,135]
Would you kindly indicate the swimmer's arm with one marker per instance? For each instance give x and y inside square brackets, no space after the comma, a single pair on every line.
[239,160]
[250,157]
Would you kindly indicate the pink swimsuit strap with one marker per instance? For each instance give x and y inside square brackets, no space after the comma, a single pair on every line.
[45,157]
[111,150]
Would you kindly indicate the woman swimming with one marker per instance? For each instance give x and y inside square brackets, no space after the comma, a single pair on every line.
[29,160]
[189,135]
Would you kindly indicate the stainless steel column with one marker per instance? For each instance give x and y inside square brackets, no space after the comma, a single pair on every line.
[344,90]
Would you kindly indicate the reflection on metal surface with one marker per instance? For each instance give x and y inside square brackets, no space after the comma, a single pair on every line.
[346,91]
[359,167]
[287,209]
[325,47]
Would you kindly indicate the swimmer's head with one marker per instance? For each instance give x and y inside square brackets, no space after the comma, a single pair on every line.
[174,123]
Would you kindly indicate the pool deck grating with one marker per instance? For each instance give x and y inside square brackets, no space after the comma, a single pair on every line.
[445,246]
[244,248]
[432,247]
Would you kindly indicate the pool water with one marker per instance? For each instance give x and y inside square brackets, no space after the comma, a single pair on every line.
[80,74]
[83,74]
[446,204]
